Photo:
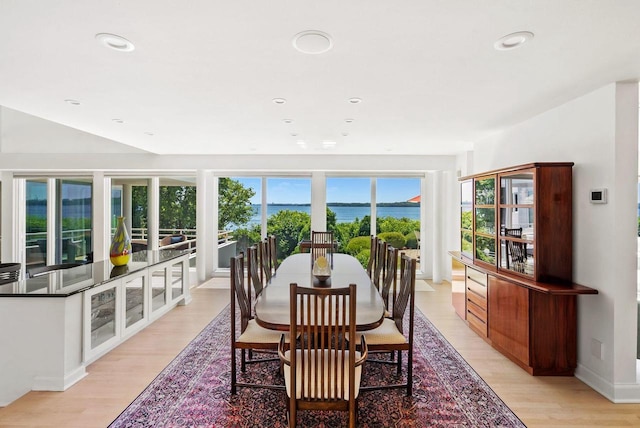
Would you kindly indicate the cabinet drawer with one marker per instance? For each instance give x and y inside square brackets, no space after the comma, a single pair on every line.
[477,299]
[476,323]
[476,276]
[477,289]
[477,310]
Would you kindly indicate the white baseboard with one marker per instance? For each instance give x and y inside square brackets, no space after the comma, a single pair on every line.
[616,393]
[41,383]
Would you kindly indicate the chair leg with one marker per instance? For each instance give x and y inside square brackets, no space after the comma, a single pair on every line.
[410,372]
[233,372]
[399,369]
[243,360]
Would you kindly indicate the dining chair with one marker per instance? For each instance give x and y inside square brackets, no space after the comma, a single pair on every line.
[321,373]
[372,255]
[253,272]
[390,335]
[252,336]
[273,253]
[389,280]
[322,245]
[381,256]
[516,251]
[265,257]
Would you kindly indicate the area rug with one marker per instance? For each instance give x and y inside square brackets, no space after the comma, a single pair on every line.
[194,391]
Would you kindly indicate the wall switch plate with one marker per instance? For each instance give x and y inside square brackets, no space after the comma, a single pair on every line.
[598,196]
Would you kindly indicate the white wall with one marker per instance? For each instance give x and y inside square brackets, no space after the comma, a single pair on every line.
[599,133]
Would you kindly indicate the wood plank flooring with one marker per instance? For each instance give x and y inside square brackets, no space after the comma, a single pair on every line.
[117,378]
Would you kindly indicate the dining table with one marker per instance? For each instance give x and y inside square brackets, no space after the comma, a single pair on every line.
[272,308]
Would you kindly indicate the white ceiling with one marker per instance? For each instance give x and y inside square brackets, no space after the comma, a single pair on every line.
[203,73]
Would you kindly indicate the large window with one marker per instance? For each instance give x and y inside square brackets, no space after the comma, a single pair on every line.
[36,223]
[349,211]
[398,212]
[74,213]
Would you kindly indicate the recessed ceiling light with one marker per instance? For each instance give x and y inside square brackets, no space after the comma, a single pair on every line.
[355,100]
[72,102]
[118,120]
[312,42]
[513,40]
[150,134]
[349,120]
[287,120]
[115,42]
[294,134]
[279,100]
[345,134]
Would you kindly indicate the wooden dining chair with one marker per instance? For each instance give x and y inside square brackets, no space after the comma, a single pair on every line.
[252,336]
[516,251]
[390,335]
[322,245]
[321,373]
[265,261]
[390,277]
[253,272]
[372,256]
[273,254]
[381,257]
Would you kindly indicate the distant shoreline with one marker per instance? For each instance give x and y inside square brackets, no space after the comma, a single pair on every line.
[348,204]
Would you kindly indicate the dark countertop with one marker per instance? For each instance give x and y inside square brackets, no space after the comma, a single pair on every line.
[66,282]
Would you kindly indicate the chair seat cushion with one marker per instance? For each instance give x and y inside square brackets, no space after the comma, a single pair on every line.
[326,357]
[257,334]
[386,333]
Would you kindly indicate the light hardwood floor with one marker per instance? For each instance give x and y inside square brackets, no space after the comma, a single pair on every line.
[117,378]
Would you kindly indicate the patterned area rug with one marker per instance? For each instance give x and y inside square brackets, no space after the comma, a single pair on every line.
[193,391]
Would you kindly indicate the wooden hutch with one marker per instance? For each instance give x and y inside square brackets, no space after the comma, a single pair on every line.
[516,246]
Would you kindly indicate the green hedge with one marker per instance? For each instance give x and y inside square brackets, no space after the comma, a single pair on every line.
[395,239]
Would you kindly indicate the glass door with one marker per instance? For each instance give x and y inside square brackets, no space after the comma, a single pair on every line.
[485,219]
[517,223]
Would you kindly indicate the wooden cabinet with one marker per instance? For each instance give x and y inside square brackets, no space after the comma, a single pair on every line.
[520,220]
[516,244]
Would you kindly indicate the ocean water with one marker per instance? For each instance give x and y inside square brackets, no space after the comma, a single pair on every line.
[344,213]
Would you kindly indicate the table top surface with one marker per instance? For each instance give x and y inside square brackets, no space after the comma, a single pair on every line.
[67,282]
[272,306]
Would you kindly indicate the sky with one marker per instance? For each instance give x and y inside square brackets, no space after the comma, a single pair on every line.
[288,190]
[298,190]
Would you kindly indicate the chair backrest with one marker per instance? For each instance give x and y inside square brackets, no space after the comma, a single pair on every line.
[273,253]
[322,245]
[516,251]
[265,257]
[406,293]
[253,272]
[372,256]
[390,275]
[239,294]
[322,317]
[381,257]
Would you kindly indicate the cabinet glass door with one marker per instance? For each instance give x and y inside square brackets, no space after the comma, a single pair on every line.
[158,289]
[485,219]
[517,223]
[135,292]
[466,218]
[103,316]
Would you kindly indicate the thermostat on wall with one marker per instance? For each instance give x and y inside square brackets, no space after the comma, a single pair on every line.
[598,196]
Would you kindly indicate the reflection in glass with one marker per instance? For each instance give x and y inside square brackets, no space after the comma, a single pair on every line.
[486,249]
[134,292]
[514,218]
[486,220]
[103,316]
[517,189]
[517,256]
[467,244]
[158,292]
[176,280]
[485,191]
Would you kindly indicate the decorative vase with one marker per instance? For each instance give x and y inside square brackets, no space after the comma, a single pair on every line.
[120,250]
